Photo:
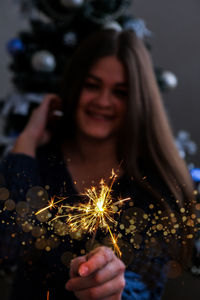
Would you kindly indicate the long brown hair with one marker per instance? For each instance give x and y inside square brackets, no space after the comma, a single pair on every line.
[146,135]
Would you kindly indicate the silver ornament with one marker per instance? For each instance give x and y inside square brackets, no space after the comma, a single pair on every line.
[112,25]
[72,3]
[102,15]
[139,27]
[70,39]
[185,145]
[169,79]
[43,61]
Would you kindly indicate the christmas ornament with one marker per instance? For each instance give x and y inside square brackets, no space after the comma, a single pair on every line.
[184,144]
[15,46]
[43,61]
[62,11]
[70,39]
[101,11]
[169,80]
[195,173]
[108,7]
[112,25]
[72,3]
[138,26]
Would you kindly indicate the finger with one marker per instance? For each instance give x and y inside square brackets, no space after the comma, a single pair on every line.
[97,261]
[46,101]
[113,269]
[44,111]
[49,98]
[114,297]
[105,290]
[110,271]
[45,104]
[75,264]
[78,283]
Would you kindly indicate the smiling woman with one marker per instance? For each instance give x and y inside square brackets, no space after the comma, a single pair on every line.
[103,99]
[113,118]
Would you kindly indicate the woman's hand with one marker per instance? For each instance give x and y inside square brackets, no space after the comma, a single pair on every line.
[36,133]
[98,275]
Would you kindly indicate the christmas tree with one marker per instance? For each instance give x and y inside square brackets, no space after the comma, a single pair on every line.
[40,54]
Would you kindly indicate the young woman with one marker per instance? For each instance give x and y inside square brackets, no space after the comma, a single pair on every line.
[113,119]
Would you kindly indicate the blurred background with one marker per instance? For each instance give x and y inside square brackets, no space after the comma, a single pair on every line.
[175,47]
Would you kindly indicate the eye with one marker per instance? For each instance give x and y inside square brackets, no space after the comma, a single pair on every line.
[122,94]
[91,85]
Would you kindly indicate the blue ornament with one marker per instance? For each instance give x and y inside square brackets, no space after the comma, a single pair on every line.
[195,173]
[15,46]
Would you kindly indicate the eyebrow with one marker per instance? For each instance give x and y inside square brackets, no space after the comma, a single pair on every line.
[120,84]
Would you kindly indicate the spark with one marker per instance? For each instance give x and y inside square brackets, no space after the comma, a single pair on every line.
[97,213]
[47,295]
[52,204]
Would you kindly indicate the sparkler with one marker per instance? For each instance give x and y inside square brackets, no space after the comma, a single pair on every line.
[97,213]
[52,203]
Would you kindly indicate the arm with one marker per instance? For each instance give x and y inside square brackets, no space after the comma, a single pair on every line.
[20,167]
[20,172]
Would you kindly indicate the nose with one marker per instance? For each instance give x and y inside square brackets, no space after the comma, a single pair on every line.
[104,98]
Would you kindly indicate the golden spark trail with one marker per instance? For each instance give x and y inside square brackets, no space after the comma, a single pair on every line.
[51,204]
[97,213]
[47,295]
[114,241]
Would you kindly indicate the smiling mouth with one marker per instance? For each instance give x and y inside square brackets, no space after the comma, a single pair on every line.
[99,116]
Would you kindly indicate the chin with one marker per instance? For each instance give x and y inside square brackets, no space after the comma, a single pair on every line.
[97,135]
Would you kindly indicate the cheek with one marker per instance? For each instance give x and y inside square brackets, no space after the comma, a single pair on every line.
[80,107]
[122,110]
[85,98]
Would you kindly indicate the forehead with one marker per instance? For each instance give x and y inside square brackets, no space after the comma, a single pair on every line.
[109,68]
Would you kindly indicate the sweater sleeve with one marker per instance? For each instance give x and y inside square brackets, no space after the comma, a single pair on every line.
[137,289]
[18,173]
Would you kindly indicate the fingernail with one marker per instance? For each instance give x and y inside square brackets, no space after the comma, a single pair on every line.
[83,271]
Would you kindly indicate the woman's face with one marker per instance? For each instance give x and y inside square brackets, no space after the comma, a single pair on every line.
[103,100]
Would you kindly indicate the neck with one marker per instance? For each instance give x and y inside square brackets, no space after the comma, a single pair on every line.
[93,152]
[90,160]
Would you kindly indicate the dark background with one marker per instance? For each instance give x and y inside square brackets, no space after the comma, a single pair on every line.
[176,46]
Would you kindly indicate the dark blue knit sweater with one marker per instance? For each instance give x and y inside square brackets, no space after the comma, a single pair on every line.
[39,270]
